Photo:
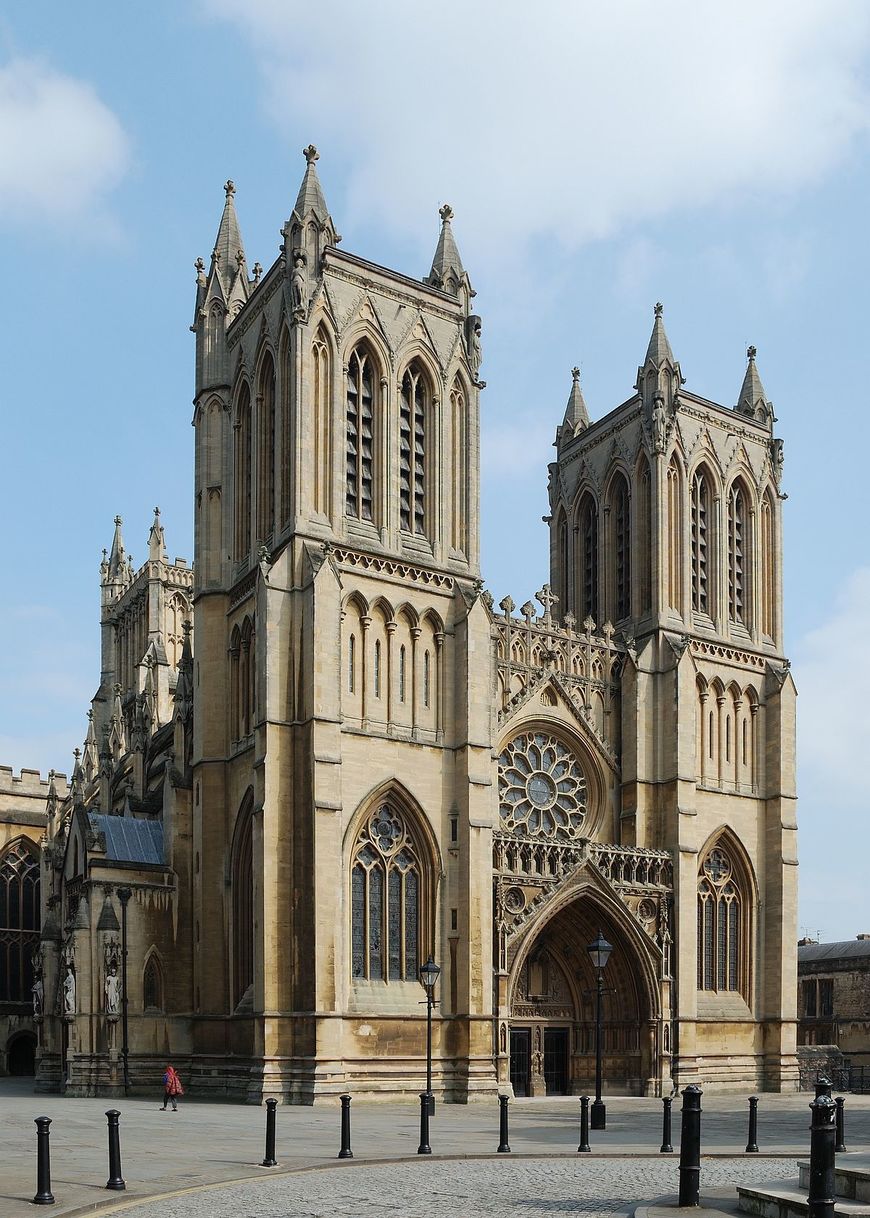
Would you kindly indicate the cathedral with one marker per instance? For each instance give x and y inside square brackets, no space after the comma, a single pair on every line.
[320,754]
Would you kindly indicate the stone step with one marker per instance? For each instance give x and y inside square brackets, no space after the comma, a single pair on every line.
[786,1199]
[851,1176]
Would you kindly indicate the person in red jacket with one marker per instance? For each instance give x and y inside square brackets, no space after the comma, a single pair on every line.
[172,1088]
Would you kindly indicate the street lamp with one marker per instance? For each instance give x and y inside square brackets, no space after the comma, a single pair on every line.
[429,973]
[599,954]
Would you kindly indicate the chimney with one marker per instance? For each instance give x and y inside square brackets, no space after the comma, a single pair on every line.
[864,936]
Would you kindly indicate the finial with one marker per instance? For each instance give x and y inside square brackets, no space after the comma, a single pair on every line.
[118,520]
[77,754]
[751,353]
[229,188]
[257,271]
[240,258]
[186,627]
[199,266]
[575,373]
[311,154]
[91,714]
[659,309]
[446,213]
[156,512]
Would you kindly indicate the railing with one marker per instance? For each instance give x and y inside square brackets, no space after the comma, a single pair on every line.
[855,1079]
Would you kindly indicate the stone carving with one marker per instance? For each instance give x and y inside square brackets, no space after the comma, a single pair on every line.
[474,327]
[777,457]
[112,989]
[38,987]
[659,424]
[299,286]
[69,992]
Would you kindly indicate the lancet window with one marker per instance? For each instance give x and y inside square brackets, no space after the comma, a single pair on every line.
[386,898]
[644,538]
[19,921]
[413,420]
[768,569]
[242,475]
[458,412]
[701,543]
[621,525]
[675,539]
[322,424]
[266,444]
[722,917]
[737,554]
[587,559]
[152,986]
[288,435]
[360,439]
[243,901]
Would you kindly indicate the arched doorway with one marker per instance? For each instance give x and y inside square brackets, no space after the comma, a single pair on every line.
[21,1054]
[552,993]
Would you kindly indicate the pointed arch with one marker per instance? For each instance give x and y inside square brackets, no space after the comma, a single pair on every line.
[416,448]
[266,446]
[586,556]
[643,534]
[322,397]
[703,540]
[767,566]
[741,516]
[242,473]
[288,425]
[393,867]
[19,918]
[619,546]
[242,873]
[152,982]
[461,475]
[727,895]
[675,527]
[363,433]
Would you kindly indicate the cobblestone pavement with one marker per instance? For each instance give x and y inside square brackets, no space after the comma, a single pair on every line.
[505,1188]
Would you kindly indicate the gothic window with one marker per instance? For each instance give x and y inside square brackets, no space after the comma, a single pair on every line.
[620,525]
[413,439]
[177,613]
[564,581]
[322,424]
[587,559]
[288,432]
[242,475]
[701,543]
[542,788]
[458,414]
[386,892]
[427,678]
[266,444]
[722,920]
[768,569]
[377,668]
[243,900]
[360,441]
[152,986]
[675,539]
[402,671]
[738,540]
[235,687]
[19,920]
[351,664]
[644,539]
[245,684]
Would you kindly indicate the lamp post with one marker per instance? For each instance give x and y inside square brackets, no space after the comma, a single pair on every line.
[429,973]
[599,954]
[124,895]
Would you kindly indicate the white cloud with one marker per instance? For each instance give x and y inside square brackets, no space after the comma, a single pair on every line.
[570,119]
[832,670]
[62,150]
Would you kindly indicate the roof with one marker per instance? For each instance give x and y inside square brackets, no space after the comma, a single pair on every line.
[129,840]
[849,949]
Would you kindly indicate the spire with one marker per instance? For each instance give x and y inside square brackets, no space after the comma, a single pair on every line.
[116,569]
[228,243]
[576,415]
[156,543]
[447,270]
[659,374]
[659,350]
[184,685]
[310,197]
[753,400]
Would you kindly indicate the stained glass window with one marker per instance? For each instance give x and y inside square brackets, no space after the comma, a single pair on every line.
[19,921]
[385,898]
[412,452]
[720,925]
[542,788]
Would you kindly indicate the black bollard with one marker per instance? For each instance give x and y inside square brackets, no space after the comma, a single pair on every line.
[584,1125]
[823,1086]
[752,1140]
[270,1160]
[424,1148]
[345,1152]
[690,1148]
[115,1180]
[503,1144]
[840,1101]
[44,1195]
[666,1148]
[822,1137]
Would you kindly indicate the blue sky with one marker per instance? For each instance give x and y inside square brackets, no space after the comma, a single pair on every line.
[598,158]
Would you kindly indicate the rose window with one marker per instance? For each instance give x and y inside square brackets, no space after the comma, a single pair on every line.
[541,788]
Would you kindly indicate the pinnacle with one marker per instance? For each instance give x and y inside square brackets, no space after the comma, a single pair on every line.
[310,197]
[576,414]
[447,264]
[659,350]
[753,400]
[228,243]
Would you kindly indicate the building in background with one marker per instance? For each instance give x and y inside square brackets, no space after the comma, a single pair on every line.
[834,1000]
[355,759]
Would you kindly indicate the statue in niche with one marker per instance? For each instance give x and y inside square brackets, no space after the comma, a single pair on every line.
[69,992]
[112,990]
[299,285]
[38,991]
[474,327]
[659,424]
[778,457]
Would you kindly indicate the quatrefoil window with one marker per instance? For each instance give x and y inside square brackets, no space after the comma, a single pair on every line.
[542,790]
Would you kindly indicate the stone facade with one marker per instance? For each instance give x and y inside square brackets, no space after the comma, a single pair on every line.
[355,760]
[834,997]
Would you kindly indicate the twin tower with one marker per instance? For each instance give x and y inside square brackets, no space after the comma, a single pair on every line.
[386,766]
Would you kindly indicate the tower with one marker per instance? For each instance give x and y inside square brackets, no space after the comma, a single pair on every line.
[666,524]
[342,757]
